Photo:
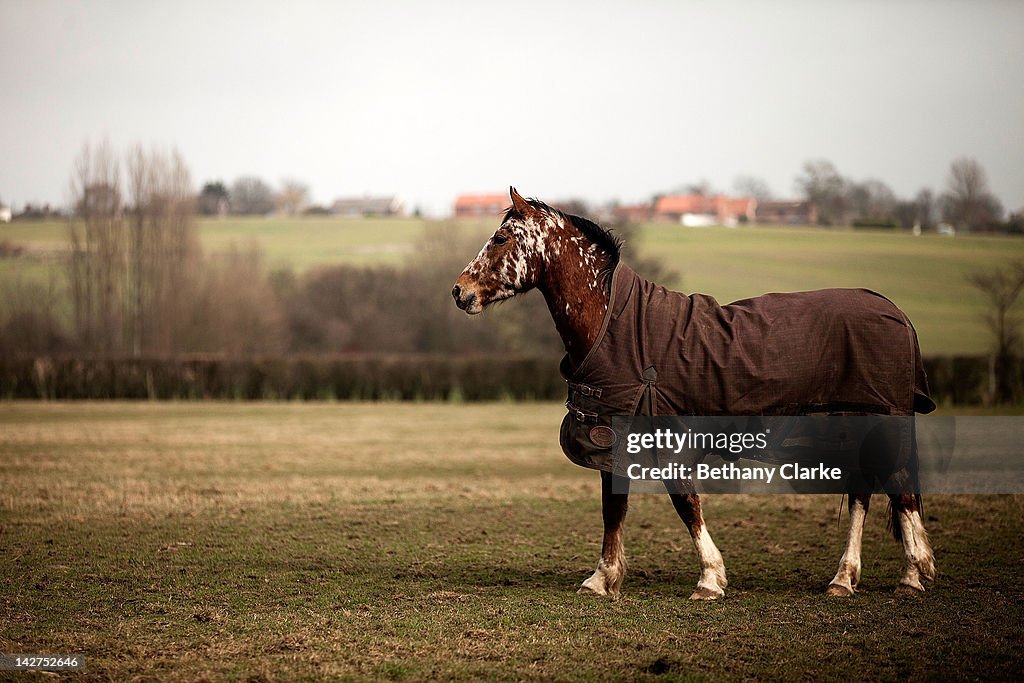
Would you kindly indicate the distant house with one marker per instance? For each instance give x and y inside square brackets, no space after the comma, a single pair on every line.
[788,212]
[5,213]
[364,207]
[470,205]
[632,213]
[697,210]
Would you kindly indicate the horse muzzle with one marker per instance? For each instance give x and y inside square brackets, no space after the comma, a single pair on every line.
[466,300]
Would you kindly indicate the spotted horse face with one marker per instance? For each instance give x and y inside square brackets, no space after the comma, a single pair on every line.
[511,261]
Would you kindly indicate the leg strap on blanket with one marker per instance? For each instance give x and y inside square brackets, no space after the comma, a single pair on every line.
[584,389]
[581,415]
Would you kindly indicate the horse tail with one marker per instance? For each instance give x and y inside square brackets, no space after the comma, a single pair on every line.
[907,501]
[893,523]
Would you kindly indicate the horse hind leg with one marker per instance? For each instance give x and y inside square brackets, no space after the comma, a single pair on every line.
[611,568]
[846,579]
[712,582]
[908,528]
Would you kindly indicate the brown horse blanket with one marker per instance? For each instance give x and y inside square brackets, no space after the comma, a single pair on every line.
[660,352]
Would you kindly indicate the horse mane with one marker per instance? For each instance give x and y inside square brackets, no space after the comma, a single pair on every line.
[602,237]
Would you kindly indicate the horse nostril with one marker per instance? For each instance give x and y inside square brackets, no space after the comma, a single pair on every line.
[456,291]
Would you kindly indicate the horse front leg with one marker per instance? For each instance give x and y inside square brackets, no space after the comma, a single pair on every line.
[845,582]
[712,583]
[908,528]
[611,568]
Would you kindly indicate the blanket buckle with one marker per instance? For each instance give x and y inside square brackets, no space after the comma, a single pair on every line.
[580,415]
[585,389]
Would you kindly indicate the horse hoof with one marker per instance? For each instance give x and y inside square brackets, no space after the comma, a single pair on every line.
[587,590]
[837,590]
[909,589]
[703,593]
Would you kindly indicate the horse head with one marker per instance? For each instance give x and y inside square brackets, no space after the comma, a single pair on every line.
[568,258]
[512,260]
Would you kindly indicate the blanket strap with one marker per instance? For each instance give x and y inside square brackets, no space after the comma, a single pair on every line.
[578,389]
[581,415]
[584,389]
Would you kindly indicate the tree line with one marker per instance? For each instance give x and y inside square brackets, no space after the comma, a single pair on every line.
[140,285]
[252,196]
[966,203]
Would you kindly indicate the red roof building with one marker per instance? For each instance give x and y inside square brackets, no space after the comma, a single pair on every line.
[470,205]
[697,209]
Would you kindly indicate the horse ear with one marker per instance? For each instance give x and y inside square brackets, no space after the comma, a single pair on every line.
[518,203]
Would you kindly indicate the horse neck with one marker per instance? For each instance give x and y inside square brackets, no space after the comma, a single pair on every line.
[573,287]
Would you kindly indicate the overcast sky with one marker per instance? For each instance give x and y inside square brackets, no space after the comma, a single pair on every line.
[595,100]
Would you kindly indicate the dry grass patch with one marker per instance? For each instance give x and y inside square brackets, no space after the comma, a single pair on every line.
[286,541]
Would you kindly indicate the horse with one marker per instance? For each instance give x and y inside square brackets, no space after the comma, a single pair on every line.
[576,266]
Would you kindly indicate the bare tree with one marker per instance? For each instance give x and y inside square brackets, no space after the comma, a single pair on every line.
[130,261]
[967,202]
[925,204]
[164,248]
[870,200]
[97,263]
[1002,288]
[251,196]
[293,197]
[917,213]
[752,186]
[236,310]
[822,185]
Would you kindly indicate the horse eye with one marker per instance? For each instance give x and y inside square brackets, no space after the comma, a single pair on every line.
[500,239]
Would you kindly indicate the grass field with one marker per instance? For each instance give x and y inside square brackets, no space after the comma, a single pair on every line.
[924,275]
[305,541]
[295,242]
